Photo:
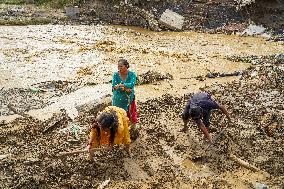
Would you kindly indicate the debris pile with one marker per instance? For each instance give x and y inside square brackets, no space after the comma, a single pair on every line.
[152,76]
[37,96]
[161,157]
[267,59]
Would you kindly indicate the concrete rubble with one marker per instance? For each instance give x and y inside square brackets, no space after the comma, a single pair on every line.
[171,20]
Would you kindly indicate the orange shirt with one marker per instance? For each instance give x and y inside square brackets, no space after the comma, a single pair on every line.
[122,135]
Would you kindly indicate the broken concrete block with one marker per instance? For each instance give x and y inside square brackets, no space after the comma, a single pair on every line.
[172,20]
[253,30]
[72,12]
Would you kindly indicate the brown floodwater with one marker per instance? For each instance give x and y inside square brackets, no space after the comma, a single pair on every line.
[33,54]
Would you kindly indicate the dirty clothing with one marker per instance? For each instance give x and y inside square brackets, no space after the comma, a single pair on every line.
[122,135]
[132,112]
[120,97]
[205,102]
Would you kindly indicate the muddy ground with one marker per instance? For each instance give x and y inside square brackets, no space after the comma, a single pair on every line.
[162,155]
[43,65]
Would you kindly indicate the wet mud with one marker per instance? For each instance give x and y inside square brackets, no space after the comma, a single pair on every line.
[162,156]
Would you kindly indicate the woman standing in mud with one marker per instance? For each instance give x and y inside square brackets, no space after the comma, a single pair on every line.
[123,83]
[110,128]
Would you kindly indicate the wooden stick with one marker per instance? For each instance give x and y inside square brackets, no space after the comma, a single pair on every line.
[10,106]
[213,142]
[62,154]
[243,163]
[63,160]
[186,78]
[218,135]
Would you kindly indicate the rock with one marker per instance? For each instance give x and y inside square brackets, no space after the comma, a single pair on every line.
[95,105]
[4,156]
[260,186]
[243,3]
[152,77]
[31,160]
[254,30]
[172,20]
[72,12]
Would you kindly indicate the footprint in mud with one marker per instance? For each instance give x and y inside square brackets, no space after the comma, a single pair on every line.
[188,167]
[134,170]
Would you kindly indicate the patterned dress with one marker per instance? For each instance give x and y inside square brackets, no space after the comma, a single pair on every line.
[120,97]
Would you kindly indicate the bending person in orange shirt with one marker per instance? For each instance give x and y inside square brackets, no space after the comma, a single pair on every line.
[110,128]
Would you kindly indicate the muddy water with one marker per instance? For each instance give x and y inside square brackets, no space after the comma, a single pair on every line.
[32,54]
[161,157]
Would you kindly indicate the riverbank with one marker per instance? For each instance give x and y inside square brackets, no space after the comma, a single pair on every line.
[218,17]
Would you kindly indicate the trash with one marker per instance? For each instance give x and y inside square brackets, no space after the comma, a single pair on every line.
[51,87]
[4,156]
[72,112]
[254,74]
[217,74]
[31,160]
[265,35]
[172,20]
[104,184]
[72,12]
[72,130]
[34,90]
[243,3]
[152,77]
[260,186]
[253,30]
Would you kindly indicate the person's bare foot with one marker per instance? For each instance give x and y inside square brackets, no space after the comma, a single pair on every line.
[210,2]
[184,130]
[129,154]
[90,159]
[127,149]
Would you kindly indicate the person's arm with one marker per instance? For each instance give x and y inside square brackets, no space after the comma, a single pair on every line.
[202,127]
[132,82]
[92,138]
[185,125]
[224,111]
[185,117]
[126,134]
[214,105]
[115,84]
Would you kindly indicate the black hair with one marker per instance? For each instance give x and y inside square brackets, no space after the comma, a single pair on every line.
[109,120]
[124,62]
[195,112]
[96,126]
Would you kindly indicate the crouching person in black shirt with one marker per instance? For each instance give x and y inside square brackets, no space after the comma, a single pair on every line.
[199,109]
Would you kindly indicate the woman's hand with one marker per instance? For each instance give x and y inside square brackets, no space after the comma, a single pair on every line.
[90,158]
[122,88]
[128,90]
[119,85]
[127,149]
[116,87]
[89,147]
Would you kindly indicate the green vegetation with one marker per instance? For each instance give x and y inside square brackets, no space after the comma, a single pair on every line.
[49,3]
[13,2]
[57,3]
[23,22]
